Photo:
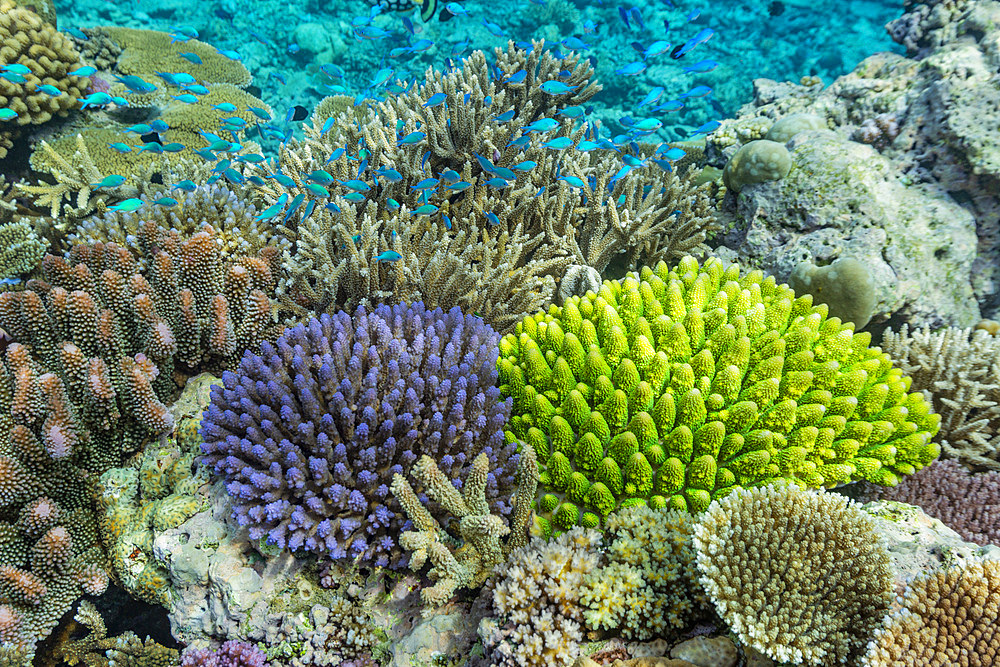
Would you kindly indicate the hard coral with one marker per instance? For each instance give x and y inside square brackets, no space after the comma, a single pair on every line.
[20,249]
[232,653]
[309,433]
[674,387]
[26,39]
[799,575]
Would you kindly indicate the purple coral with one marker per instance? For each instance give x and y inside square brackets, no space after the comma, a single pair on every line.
[231,654]
[309,433]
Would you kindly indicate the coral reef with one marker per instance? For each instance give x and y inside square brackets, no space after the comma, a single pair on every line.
[231,654]
[337,406]
[492,249]
[948,617]
[340,634]
[797,574]
[473,562]
[21,251]
[27,39]
[536,599]
[959,372]
[845,286]
[146,52]
[649,587]
[965,501]
[675,386]
[125,650]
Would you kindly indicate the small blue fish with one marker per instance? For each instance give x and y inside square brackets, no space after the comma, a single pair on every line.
[120,147]
[497,183]
[96,100]
[186,186]
[16,68]
[637,17]
[136,84]
[541,125]
[657,48]
[186,98]
[701,67]
[173,147]
[320,176]
[225,107]
[285,181]
[666,107]
[195,88]
[252,158]
[426,209]
[120,101]
[411,138]
[436,99]
[558,144]
[317,189]
[357,186]
[158,126]
[191,57]
[623,15]
[76,32]
[557,88]
[426,184]
[505,116]
[527,165]
[273,210]
[127,206]
[381,77]
[7,114]
[151,147]
[333,208]
[456,9]
[260,113]
[388,256]
[421,45]
[652,96]
[166,202]
[575,43]
[710,126]
[697,91]
[229,53]
[571,112]
[296,202]
[521,141]
[459,186]
[672,153]
[632,69]
[392,204]
[449,176]
[83,71]
[112,181]
[390,175]
[491,218]
[646,125]
[572,181]
[517,77]
[48,89]
[494,29]
[235,121]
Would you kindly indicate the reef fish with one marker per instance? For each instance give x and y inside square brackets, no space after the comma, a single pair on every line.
[427,7]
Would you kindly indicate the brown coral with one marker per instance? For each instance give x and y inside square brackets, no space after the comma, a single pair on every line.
[949,619]
[799,575]
[27,39]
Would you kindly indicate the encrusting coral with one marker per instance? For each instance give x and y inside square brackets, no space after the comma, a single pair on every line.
[497,248]
[676,386]
[799,575]
[959,372]
[481,531]
[27,39]
[309,433]
[649,586]
[948,619]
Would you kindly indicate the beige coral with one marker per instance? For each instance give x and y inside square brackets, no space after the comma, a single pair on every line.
[799,575]
[959,371]
[949,619]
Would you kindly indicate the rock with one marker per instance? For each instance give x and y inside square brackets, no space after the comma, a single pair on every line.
[843,199]
[433,637]
[707,652]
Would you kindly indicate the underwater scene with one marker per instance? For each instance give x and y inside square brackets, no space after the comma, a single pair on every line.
[533,333]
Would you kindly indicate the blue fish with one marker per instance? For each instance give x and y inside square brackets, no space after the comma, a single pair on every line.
[497,183]
[571,112]
[225,107]
[158,126]
[186,186]
[411,138]
[228,53]
[166,202]
[48,89]
[459,186]
[76,32]
[541,125]
[426,184]
[521,141]
[637,17]
[83,71]
[136,84]
[436,99]
[491,218]
[623,15]
[701,67]
[112,181]
[151,147]
[652,96]
[672,153]
[357,186]
[274,210]
[575,43]
[671,105]
[388,256]
[710,126]
[95,100]
[557,88]
[517,77]
[317,189]
[572,181]
[260,113]
[320,176]
[494,29]
[456,9]
[449,176]
[392,204]
[186,98]
[527,165]
[173,147]
[657,48]
[505,116]
[127,205]
[697,91]
[120,101]
[191,57]
[120,147]
[285,181]
[638,67]
[426,209]
[296,202]
[390,175]
[558,144]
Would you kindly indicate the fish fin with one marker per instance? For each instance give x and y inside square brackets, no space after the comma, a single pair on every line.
[427,9]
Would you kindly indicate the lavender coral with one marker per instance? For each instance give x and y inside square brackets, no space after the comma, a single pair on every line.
[231,654]
[309,433]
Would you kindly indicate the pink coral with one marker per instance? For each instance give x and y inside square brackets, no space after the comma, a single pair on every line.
[231,654]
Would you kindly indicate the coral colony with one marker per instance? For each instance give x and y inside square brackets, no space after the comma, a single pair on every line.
[399,333]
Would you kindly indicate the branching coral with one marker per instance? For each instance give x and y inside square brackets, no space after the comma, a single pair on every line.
[20,250]
[492,250]
[125,650]
[472,563]
[231,654]
[799,575]
[675,386]
[949,618]
[48,537]
[649,587]
[309,433]
[959,372]
[537,601]
[26,39]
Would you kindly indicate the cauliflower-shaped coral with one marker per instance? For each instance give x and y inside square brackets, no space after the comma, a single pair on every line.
[309,434]
[675,387]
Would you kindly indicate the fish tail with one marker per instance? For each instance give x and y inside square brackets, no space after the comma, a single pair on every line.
[427,9]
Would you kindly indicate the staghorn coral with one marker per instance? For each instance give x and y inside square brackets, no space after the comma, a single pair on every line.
[48,538]
[649,587]
[27,39]
[537,602]
[125,650]
[20,249]
[457,255]
[958,370]
[232,653]
[799,575]
[117,332]
[949,618]
[473,562]
[676,386]
[967,502]
[337,406]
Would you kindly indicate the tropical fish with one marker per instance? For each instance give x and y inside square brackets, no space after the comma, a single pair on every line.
[455,9]
[151,147]
[572,181]
[557,88]
[135,84]
[491,218]
[127,205]
[357,186]
[652,96]
[411,138]
[388,256]
[527,165]
[426,209]
[229,53]
[96,100]
[48,89]
[701,67]
[436,100]
[710,126]
[112,181]
[191,57]
[656,48]
[697,91]
[166,201]
[120,147]
[638,67]
[558,144]
[541,125]
[505,116]
[186,186]
[173,147]
[195,88]
[7,114]
[494,29]
[186,98]
[83,71]
[517,77]
[17,68]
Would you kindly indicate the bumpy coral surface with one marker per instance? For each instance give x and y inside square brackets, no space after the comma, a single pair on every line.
[677,386]
[20,249]
[949,618]
[799,575]
[231,654]
[309,434]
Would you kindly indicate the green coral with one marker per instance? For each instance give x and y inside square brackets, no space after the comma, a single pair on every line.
[756,162]
[20,249]
[676,386]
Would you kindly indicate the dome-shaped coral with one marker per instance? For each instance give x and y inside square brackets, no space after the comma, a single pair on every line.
[309,434]
[675,387]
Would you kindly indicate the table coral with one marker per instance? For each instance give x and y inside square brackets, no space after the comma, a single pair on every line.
[676,386]
[146,52]
[27,39]
[799,575]
[309,433]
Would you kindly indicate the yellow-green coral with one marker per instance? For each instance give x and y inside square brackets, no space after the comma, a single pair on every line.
[146,52]
[125,650]
[20,249]
[675,386]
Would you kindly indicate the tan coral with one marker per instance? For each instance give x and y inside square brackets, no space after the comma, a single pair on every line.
[27,39]
[145,52]
[948,619]
[799,575]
